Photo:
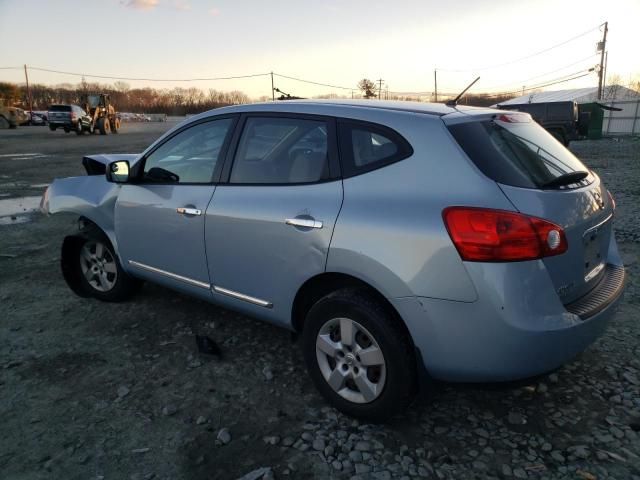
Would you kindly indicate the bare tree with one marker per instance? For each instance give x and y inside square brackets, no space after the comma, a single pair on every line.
[368,88]
[9,92]
[612,87]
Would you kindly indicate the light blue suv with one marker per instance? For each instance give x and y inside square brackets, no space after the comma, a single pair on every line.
[399,239]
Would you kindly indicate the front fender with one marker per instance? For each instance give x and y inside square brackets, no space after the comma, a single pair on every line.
[91,197]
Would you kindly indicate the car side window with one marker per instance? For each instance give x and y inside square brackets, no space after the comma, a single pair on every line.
[281,151]
[191,156]
[366,146]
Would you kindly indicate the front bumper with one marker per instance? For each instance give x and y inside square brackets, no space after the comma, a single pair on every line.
[517,328]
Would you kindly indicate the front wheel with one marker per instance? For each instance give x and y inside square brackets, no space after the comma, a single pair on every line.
[104,126]
[358,355]
[91,268]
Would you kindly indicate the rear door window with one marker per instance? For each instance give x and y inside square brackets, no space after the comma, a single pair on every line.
[278,150]
[520,153]
[365,147]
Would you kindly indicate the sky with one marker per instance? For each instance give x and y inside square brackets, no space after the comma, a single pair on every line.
[330,41]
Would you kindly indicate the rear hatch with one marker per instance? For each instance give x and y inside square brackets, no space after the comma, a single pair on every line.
[542,178]
[60,114]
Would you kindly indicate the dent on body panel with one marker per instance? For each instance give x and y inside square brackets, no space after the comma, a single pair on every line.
[91,196]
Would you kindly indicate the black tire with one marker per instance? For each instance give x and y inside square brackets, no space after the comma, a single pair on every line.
[74,263]
[365,309]
[66,129]
[79,130]
[52,128]
[115,125]
[104,126]
[559,135]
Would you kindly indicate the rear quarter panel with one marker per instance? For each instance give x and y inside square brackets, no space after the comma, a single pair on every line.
[390,231]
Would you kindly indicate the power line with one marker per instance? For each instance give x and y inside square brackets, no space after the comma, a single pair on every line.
[111,77]
[525,57]
[10,68]
[563,80]
[314,83]
[524,82]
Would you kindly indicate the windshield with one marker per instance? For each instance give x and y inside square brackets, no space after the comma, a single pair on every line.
[520,154]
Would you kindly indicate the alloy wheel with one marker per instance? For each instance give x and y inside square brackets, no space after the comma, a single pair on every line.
[98,266]
[351,360]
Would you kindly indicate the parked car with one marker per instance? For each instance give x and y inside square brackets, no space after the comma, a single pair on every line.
[43,114]
[399,239]
[69,118]
[36,119]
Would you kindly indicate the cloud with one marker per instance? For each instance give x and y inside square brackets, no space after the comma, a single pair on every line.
[181,5]
[214,12]
[140,4]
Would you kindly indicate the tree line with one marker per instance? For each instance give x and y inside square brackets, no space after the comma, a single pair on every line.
[174,101]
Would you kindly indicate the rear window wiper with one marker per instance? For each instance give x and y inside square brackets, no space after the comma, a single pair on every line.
[566,179]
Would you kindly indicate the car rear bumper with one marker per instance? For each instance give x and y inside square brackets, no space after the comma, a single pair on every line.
[516,329]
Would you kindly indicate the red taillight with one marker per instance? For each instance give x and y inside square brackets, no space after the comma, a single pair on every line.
[485,235]
[73,116]
[514,118]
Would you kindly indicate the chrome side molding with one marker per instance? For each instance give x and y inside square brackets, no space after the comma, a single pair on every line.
[174,276]
[242,296]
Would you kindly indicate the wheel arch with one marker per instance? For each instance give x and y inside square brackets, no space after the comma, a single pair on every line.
[324,283]
[90,197]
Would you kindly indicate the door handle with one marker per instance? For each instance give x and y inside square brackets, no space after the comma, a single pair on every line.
[303,222]
[188,211]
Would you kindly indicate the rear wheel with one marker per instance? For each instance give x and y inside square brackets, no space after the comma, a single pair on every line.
[66,129]
[79,129]
[104,126]
[4,123]
[358,356]
[115,125]
[52,128]
[559,135]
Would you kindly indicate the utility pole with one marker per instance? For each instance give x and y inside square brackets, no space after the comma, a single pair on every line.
[604,78]
[601,48]
[273,92]
[26,77]
[435,83]
[379,87]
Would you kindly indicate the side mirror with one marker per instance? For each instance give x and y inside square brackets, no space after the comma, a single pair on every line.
[118,172]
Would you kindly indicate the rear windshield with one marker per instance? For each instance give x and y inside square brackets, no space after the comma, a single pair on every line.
[516,154]
[60,108]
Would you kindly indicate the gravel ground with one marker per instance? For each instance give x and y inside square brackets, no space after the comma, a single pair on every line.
[100,391]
